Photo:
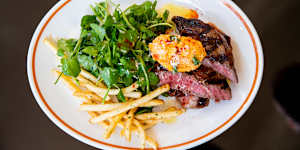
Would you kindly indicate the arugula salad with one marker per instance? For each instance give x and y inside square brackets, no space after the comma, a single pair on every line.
[113,45]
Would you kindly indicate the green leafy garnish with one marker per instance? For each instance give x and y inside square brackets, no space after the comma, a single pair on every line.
[70,66]
[87,20]
[153,78]
[196,61]
[65,47]
[105,96]
[100,31]
[56,81]
[175,68]
[113,45]
[91,50]
[142,110]
[87,63]
[110,76]
[121,97]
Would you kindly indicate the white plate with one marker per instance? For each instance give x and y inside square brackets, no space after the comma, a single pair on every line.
[192,128]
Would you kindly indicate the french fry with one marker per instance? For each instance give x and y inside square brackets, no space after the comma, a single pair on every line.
[93,114]
[133,94]
[130,88]
[108,107]
[152,142]
[92,87]
[121,124]
[113,123]
[128,124]
[92,78]
[171,109]
[150,121]
[154,102]
[49,41]
[122,132]
[68,80]
[88,94]
[132,104]
[149,140]
[148,126]
[103,91]
[159,115]
[141,132]
[104,124]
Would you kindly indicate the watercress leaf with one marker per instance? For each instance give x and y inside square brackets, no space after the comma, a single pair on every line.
[121,97]
[70,66]
[100,31]
[60,52]
[84,33]
[117,15]
[154,14]
[132,35]
[147,6]
[138,45]
[109,21]
[87,20]
[66,45]
[128,63]
[112,33]
[108,55]
[87,63]
[110,76]
[91,50]
[94,38]
[148,58]
[126,76]
[100,10]
[165,15]
[154,4]
[128,79]
[154,80]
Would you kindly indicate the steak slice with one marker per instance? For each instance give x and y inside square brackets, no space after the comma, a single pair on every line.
[216,43]
[185,83]
[203,83]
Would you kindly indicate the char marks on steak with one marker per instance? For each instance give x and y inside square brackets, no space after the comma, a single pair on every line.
[216,43]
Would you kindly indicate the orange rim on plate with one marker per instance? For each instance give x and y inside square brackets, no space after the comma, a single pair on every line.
[124,147]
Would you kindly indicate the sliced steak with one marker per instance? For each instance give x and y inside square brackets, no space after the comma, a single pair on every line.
[185,83]
[216,43]
[203,82]
[215,82]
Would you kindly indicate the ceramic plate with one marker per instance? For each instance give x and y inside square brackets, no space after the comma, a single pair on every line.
[194,127]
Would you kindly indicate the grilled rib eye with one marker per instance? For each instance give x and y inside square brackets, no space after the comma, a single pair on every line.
[216,43]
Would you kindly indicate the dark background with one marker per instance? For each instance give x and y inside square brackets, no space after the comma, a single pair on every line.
[24,126]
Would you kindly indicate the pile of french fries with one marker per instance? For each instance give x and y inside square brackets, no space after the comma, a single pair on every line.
[111,113]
